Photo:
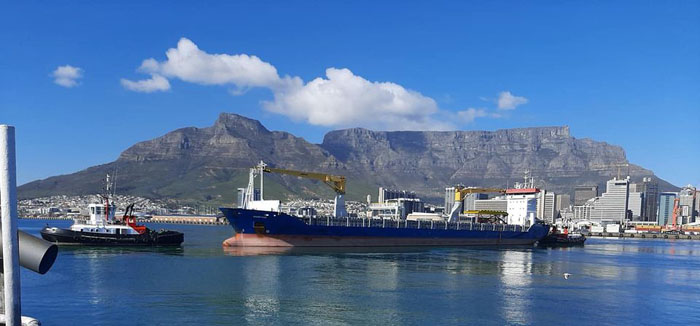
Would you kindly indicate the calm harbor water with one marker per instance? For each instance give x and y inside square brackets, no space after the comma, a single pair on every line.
[613,282]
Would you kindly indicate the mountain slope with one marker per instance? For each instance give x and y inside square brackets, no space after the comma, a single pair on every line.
[208,164]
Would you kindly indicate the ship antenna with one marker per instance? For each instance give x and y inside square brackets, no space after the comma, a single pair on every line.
[114,187]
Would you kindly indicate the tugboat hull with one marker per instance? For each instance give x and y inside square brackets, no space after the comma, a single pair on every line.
[555,240]
[148,238]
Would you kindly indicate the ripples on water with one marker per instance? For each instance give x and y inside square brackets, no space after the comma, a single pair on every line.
[613,282]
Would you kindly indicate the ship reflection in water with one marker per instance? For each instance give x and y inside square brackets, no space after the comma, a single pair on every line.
[611,282]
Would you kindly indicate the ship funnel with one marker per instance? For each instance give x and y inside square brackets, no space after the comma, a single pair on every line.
[35,254]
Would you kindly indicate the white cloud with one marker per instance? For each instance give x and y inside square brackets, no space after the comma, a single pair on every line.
[188,63]
[339,99]
[153,84]
[470,114]
[67,76]
[345,99]
[508,101]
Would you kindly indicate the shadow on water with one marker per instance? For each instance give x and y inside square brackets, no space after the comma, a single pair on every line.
[95,251]
[298,251]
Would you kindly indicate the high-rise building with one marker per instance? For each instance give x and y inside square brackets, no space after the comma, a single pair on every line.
[688,210]
[665,207]
[636,205]
[613,204]
[583,193]
[650,189]
[386,194]
[563,202]
[550,211]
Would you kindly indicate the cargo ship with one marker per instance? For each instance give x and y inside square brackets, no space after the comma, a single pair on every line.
[259,223]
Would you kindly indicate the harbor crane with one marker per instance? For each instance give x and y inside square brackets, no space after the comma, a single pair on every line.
[336,182]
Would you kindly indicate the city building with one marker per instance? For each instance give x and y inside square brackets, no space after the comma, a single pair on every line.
[550,211]
[395,204]
[686,204]
[563,202]
[665,211]
[611,206]
[583,193]
[636,205]
[650,191]
[387,194]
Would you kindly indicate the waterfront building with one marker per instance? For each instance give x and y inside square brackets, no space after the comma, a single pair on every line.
[611,206]
[583,193]
[582,212]
[665,211]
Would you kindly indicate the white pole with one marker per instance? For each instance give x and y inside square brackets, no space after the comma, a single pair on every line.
[10,247]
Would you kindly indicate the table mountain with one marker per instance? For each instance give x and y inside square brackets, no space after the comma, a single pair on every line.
[208,164]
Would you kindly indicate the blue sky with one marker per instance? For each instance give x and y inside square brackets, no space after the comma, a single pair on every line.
[624,72]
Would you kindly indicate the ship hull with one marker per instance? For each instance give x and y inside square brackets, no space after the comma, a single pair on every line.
[149,238]
[268,229]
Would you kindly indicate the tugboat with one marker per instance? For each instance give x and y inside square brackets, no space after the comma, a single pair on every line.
[102,229]
[562,239]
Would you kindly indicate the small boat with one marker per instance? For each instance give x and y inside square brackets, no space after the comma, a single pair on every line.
[102,229]
[562,239]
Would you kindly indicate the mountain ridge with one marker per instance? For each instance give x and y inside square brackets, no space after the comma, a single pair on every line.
[208,164]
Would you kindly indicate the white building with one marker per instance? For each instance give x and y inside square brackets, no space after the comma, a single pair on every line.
[611,206]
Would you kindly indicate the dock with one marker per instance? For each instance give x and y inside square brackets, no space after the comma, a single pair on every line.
[644,236]
[187,219]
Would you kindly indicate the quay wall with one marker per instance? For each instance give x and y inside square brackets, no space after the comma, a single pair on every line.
[644,236]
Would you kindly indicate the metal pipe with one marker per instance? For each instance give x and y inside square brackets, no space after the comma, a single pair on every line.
[10,243]
[35,254]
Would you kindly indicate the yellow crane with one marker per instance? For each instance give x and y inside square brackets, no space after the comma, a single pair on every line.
[460,191]
[336,182]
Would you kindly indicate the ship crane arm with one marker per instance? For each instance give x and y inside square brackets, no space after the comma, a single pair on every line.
[460,192]
[336,182]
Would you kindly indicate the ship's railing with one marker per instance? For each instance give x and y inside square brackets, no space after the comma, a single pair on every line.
[431,225]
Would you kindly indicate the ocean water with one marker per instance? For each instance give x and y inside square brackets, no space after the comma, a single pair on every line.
[613,282]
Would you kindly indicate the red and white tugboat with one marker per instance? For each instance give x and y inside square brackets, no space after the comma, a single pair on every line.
[102,229]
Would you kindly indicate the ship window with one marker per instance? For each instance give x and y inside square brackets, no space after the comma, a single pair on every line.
[92,210]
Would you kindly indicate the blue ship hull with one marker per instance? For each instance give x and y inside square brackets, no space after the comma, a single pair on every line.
[272,229]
